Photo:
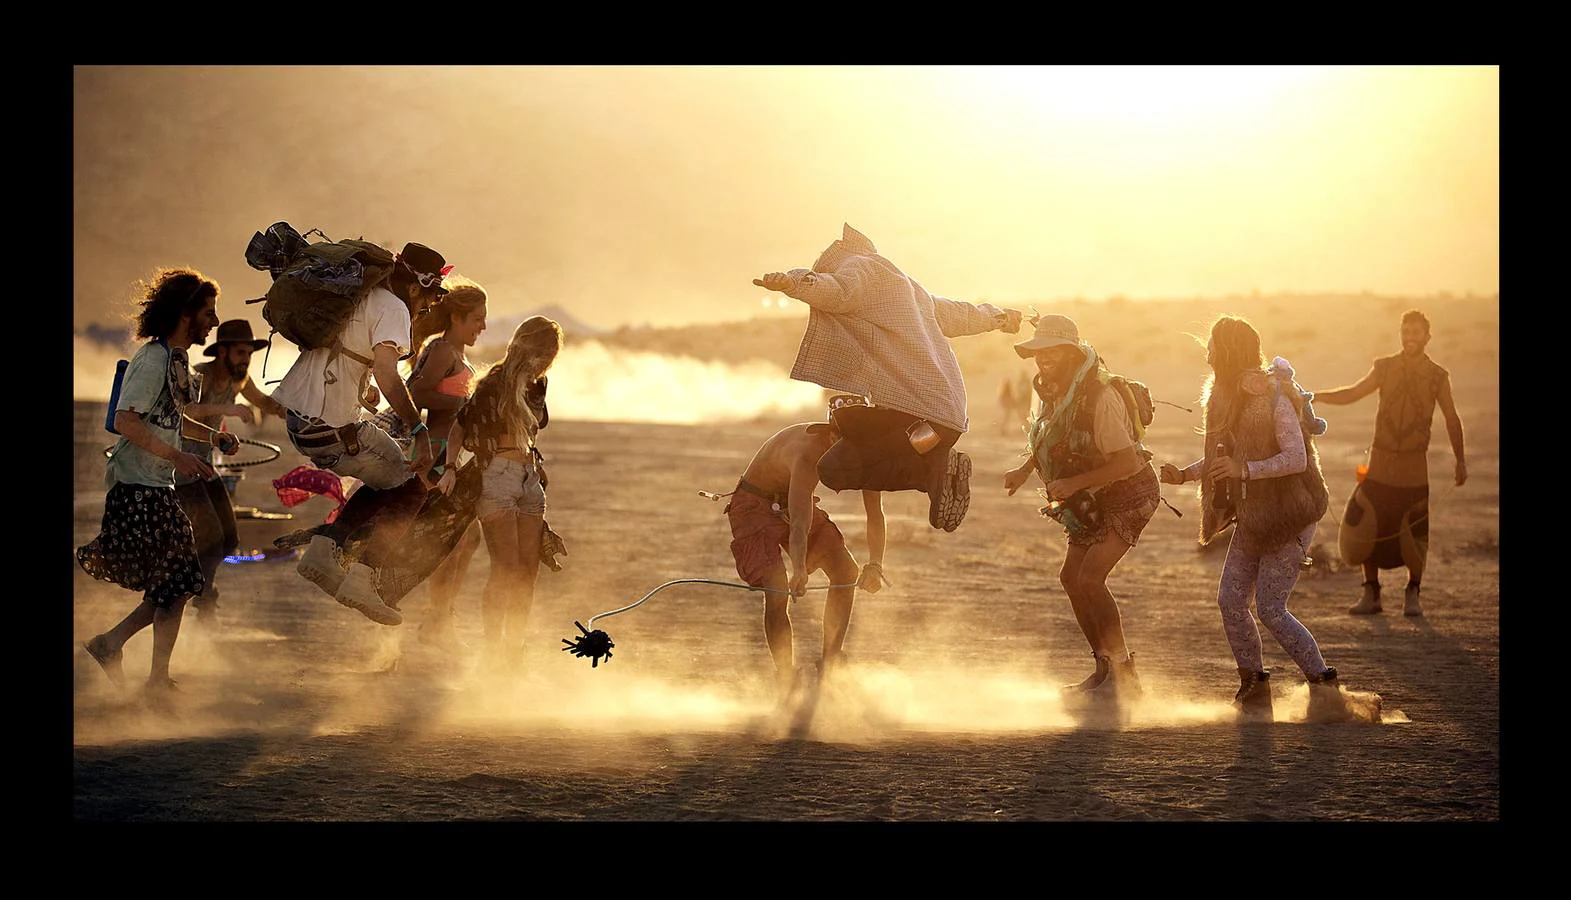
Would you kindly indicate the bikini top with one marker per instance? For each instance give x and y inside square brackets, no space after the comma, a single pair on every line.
[458,384]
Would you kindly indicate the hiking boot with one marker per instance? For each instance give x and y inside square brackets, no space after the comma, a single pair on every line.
[1092,680]
[949,494]
[1410,605]
[1326,703]
[358,592]
[322,564]
[1369,604]
[1253,699]
[1121,683]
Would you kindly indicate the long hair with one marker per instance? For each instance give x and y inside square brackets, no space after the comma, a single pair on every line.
[500,405]
[1235,350]
[169,295]
[461,300]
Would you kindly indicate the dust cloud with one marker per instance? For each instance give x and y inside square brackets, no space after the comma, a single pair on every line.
[589,381]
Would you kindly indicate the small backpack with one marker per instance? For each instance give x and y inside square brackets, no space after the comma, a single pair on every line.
[316,286]
[1137,401]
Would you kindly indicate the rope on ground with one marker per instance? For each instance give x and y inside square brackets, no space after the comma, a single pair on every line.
[595,643]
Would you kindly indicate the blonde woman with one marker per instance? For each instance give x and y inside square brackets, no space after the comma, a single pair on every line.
[499,426]
[1260,472]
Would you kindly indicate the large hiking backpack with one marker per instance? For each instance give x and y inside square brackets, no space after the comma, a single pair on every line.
[316,286]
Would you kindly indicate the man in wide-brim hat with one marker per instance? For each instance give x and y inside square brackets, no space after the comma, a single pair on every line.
[220,381]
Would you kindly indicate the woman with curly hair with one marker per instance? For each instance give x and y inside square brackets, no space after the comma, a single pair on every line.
[499,426]
[146,543]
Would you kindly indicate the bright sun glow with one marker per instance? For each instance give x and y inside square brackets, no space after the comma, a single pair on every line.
[1134,95]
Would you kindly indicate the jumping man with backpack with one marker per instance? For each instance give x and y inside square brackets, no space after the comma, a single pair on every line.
[1084,442]
[325,392]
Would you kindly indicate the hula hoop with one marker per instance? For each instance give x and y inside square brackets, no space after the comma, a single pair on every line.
[272,449]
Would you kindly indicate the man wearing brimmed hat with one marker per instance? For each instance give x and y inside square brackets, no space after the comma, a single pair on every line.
[875,332]
[1099,484]
[206,501]
[325,391]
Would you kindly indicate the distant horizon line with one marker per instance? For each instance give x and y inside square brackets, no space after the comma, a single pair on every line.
[801,312]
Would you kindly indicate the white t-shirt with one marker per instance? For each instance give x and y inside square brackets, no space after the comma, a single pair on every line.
[314,389]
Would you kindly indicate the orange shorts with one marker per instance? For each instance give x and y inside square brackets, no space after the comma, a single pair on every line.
[759,534]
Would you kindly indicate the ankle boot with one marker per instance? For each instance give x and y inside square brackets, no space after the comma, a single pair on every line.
[1410,605]
[1095,678]
[1121,682]
[1369,604]
[1326,703]
[1253,699]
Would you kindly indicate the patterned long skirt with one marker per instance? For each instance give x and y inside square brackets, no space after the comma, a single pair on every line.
[145,543]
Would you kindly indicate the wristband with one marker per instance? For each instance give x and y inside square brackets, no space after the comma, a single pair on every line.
[418,427]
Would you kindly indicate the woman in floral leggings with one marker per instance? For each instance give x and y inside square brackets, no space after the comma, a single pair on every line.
[1260,473]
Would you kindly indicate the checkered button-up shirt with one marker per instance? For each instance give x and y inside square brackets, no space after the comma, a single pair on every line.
[876,332]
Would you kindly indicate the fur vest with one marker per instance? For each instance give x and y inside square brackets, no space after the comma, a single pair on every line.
[1273,510]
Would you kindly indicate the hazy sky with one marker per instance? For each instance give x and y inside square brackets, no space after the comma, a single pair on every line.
[655,194]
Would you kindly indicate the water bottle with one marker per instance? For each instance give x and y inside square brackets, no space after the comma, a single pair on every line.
[1224,492]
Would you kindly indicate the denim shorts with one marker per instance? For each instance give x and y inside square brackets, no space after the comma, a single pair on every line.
[509,484]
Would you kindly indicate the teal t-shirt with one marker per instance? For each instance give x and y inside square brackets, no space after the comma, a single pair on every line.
[156,385]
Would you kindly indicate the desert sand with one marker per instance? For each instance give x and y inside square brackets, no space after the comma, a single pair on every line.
[292,708]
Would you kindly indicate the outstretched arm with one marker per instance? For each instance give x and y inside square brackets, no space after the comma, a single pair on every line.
[956,318]
[1353,392]
[1453,429]
[261,400]
[837,293]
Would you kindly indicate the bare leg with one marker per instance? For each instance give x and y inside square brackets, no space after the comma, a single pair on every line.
[1069,577]
[1093,602]
[777,628]
[500,530]
[837,606]
[443,586]
[166,630]
[525,572]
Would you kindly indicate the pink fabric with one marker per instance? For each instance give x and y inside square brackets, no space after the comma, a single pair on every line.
[301,484]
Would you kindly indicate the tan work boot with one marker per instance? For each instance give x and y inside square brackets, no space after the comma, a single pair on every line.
[1326,703]
[322,564]
[1121,683]
[358,592]
[1253,700]
[1410,605]
[949,496]
[1369,604]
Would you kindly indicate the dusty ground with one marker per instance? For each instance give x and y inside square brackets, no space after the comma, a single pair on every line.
[295,708]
